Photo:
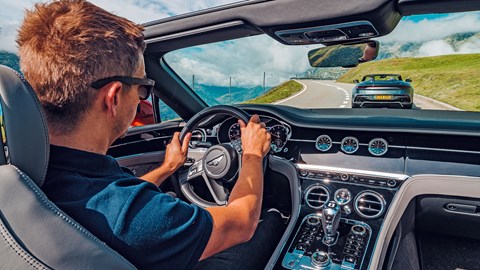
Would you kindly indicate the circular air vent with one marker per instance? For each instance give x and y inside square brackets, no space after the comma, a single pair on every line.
[369,204]
[316,196]
[198,135]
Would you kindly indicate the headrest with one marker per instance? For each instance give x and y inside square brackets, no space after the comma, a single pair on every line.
[27,146]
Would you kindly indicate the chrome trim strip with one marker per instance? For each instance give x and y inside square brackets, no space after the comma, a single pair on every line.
[444,150]
[301,140]
[395,176]
[397,146]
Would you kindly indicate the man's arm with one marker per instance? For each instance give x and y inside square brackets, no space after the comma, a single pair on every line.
[175,157]
[236,223]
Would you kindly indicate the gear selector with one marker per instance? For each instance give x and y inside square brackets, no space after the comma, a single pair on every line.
[331,214]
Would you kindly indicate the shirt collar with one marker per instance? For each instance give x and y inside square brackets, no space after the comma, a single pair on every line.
[83,162]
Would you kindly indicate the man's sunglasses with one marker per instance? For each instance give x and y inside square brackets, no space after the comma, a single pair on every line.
[146,85]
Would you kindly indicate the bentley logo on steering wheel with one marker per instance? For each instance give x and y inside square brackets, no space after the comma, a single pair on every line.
[214,162]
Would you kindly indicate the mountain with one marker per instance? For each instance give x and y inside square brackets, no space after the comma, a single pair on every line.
[221,94]
[10,60]
[460,43]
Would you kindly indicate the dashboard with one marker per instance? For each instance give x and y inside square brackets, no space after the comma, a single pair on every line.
[358,168]
[357,160]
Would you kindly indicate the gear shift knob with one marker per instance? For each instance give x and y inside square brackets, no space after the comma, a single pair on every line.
[330,220]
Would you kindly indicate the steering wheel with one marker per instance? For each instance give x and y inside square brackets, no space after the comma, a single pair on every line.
[220,164]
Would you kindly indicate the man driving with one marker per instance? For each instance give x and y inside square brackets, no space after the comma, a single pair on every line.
[86,66]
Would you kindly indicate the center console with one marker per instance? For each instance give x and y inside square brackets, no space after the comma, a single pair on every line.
[340,217]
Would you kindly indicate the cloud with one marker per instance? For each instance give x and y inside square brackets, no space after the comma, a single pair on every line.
[435,47]
[426,30]
[245,60]
[139,11]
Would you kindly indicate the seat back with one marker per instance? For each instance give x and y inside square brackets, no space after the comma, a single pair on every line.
[34,232]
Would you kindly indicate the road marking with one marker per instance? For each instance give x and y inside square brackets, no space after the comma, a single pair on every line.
[347,95]
[297,94]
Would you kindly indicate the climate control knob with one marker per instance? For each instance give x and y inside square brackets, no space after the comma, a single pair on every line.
[358,230]
[313,221]
[320,259]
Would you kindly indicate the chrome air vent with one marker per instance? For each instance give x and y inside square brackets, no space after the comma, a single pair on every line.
[316,196]
[369,204]
[199,135]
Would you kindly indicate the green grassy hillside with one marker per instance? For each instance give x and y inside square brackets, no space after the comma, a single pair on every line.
[277,93]
[453,79]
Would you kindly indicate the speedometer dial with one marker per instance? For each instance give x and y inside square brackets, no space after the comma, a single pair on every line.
[279,136]
[234,132]
[378,147]
[350,145]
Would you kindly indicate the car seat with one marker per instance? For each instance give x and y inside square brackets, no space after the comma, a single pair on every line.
[34,233]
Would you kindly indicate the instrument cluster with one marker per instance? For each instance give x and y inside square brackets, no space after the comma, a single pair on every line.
[229,131]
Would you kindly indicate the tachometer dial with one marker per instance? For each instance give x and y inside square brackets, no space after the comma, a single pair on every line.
[234,132]
[323,143]
[378,147]
[350,145]
[279,136]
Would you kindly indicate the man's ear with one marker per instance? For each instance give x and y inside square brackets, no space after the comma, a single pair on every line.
[111,97]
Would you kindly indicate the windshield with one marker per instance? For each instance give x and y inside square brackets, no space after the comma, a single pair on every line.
[428,62]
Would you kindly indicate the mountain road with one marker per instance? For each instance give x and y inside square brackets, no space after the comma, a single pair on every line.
[331,94]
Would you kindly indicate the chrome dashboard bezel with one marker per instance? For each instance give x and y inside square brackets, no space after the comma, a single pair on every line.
[372,141]
[321,137]
[349,138]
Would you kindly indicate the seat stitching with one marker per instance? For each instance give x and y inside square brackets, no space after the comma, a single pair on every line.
[64,217]
[19,250]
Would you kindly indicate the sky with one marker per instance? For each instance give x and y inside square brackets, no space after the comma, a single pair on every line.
[250,59]
[139,11]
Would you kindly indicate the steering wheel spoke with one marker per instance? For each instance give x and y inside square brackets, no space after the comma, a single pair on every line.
[195,170]
[218,191]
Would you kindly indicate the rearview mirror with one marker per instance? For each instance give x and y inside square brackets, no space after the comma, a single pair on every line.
[408,80]
[349,55]
[356,81]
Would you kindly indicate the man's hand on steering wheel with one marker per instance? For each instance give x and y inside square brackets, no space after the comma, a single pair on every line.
[176,153]
[255,138]
[175,157]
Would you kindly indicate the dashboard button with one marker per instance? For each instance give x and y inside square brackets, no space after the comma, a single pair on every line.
[350,259]
[391,183]
[301,247]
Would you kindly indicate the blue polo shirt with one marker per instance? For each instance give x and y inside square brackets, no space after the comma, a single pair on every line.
[149,228]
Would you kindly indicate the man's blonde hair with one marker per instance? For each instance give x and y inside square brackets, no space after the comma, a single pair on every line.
[68,44]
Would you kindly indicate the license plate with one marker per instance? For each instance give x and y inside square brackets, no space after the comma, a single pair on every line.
[383,97]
